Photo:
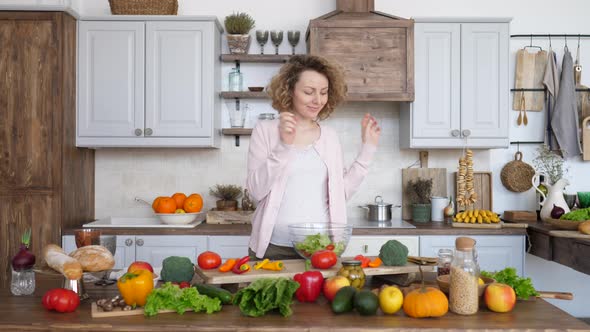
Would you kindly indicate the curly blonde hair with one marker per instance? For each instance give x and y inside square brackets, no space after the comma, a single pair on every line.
[282,85]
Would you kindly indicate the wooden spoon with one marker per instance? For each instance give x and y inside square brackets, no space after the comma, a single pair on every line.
[519,120]
[525,120]
[556,295]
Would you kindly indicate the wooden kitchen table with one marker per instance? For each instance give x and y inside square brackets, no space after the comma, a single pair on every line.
[27,314]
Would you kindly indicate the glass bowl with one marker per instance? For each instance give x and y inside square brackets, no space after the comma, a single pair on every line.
[308,238]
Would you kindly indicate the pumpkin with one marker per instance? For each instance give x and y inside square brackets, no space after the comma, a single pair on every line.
[426,302]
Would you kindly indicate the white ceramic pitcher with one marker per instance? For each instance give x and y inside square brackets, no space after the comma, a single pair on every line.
[554,196]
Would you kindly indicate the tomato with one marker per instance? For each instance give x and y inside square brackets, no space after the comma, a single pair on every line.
[209,260]
[330,246]
[323,259]
[61,300]
[184,284]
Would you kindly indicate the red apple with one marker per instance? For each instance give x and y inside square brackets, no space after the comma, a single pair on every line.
[332,285]
[499,297]
[139,265]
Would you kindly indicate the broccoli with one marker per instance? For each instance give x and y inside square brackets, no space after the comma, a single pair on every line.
[393,253]
[177,269]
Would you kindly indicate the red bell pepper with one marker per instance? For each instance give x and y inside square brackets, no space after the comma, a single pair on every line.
[238,268]
[310,285]
[364,260]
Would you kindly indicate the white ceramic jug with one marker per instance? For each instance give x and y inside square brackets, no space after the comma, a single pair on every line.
[554,196]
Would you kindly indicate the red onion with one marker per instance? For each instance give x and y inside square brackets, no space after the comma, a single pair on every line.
[24,259]
[556,212]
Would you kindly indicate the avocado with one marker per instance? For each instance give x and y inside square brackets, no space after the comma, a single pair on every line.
[366,302]
[343,301]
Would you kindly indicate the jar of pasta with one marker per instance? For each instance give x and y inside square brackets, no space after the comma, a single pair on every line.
[353,271]
[463,290]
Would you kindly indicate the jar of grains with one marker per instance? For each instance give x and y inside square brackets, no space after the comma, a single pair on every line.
[463,290]
[445,257]
[353,271]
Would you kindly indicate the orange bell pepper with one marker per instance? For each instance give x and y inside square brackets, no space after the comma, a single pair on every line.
[376,262]
[136,286]
[228,265]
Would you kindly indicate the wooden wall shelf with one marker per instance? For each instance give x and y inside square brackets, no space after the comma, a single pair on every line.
[266,58]
[244,94]
[237,132]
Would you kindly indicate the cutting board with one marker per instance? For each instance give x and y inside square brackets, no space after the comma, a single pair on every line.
[570,234]
[96,312]
[482,183]
[525,216]
[294,266]
[489,226]
[529,72]
[439,185]
[586,138]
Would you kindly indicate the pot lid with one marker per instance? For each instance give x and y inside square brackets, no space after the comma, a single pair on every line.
[379,202]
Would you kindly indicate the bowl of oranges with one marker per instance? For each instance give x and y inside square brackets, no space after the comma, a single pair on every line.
[179,209]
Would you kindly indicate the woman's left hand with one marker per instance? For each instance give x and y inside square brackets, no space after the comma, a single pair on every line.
[370,130]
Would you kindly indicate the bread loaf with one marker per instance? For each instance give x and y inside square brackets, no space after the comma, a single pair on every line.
[57,259]
[94,258]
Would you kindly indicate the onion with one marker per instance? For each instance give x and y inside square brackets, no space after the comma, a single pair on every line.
[24,259]
[557,212]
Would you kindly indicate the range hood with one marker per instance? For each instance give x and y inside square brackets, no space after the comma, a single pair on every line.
[375,49]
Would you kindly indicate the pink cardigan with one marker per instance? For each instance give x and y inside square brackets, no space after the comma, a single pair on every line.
[268,169]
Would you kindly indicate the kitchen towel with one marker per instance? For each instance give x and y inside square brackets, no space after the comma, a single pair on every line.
[530,68]
[551,83]
[564,120]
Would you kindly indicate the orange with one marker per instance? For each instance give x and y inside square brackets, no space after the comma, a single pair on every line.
[156,202]
[193,203]
[166,205]
[179,199]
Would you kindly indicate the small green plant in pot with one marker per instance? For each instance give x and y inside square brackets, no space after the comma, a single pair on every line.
[419,191]
[228,196]
[237,26]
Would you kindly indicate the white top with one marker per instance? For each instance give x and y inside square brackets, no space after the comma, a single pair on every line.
[306,195]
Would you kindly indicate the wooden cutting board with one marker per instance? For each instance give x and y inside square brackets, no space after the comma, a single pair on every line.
[482,183]
[570,234]
[489,226]
[439,185]
[96,312]
[525,216]
[586,138]
[294,266]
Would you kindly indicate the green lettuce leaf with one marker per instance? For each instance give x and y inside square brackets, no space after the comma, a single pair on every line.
[172,297]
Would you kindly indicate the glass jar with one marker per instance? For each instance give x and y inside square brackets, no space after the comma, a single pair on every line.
[235,80]
[353,271]
[22,282]
[445,257]
[463,290]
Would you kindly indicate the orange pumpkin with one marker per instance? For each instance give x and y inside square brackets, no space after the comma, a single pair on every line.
[166,205]
[156,202]
[426,302]
[193,203]
[179,199]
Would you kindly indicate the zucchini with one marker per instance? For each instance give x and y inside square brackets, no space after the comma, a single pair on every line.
[215,292]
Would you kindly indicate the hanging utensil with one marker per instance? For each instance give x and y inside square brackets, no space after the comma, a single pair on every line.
[577,65]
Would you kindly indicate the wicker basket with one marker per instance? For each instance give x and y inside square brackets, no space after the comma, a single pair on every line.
[516,175]
[563,224]
[144,7]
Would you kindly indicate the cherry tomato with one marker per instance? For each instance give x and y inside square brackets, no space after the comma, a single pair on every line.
[323,259]
[209,260]
[330,246]
[184,284]
[61,300]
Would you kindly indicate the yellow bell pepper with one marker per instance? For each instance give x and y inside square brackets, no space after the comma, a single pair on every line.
[136,286]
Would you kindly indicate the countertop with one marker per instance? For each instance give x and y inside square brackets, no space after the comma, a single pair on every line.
[27,314]
[431,228]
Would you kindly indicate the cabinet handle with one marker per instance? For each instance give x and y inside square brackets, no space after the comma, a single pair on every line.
[455,133]
[139,242]
[148,131]
[466,132]
[365,248]
[138,132]
[129,242]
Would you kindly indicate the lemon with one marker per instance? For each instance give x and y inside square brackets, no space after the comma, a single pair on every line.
[480,281]
[179,211]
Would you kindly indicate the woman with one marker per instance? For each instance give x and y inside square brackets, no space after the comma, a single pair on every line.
[295,169]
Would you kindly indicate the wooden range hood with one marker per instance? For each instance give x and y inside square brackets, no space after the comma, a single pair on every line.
[375,49]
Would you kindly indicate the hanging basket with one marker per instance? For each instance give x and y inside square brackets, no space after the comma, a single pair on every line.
[516,175]
[144,7]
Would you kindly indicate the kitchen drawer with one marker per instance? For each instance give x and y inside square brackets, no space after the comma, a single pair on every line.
[228,246]
[370,245]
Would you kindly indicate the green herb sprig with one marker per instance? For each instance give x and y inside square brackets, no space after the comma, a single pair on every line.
[523,287]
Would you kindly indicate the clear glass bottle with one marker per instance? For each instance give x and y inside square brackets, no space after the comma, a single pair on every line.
[463,290]
[542,187]
[445,257]
[22,282]
[235,80]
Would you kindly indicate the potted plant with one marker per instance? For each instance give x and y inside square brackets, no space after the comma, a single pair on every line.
[419,192]
[237,26]
[228,196]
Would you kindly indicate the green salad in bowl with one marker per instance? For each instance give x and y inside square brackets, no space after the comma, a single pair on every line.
[311,237]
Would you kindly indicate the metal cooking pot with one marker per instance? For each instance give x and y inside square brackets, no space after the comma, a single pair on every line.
[379,211]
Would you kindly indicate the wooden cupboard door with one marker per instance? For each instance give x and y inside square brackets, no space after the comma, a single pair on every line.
[484,80]
[18,213]
[111,79]
[30,107]
[437,107]
[179,76]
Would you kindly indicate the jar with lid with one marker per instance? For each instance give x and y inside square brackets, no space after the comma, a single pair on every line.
[353,271]
[445,257]
[235,80]
[463,290]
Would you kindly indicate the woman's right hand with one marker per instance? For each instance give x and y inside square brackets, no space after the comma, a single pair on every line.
[287,127]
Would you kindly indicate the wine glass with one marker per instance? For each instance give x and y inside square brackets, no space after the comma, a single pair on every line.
[262,38]
[277,39]
[293,37]
[86,237]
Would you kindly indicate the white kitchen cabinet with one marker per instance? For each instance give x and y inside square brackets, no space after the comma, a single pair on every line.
[149,83]
[229,246]
[461,87]
[370,245]
[494,252]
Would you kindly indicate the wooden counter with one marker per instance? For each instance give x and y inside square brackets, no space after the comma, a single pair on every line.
[27,314]
[209,229]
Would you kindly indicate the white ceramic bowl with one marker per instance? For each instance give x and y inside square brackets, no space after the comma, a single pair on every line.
[179,218]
